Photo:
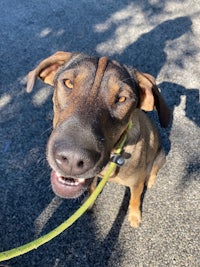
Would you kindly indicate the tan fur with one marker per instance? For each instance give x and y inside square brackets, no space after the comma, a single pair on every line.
[141,168]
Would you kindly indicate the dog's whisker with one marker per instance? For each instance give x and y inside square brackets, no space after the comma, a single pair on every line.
[47,130]
[129,78]
[40,160]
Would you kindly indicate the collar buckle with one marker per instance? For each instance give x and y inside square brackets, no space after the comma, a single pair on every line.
[117,159]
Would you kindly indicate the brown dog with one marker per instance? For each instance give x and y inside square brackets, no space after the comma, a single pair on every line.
[94,100]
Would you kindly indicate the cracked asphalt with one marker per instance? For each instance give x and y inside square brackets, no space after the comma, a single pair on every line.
[158,37]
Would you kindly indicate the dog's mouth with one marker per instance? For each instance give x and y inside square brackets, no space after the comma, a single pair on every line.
[68,187]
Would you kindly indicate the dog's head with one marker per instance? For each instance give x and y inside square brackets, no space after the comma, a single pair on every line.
[94,99]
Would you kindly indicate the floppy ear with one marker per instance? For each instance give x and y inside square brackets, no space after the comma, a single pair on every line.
[47,69]
[150,97]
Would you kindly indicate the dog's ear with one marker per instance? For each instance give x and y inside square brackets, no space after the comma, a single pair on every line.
[151,98]
[47,69]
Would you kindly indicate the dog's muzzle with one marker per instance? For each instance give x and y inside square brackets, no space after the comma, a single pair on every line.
[75,159]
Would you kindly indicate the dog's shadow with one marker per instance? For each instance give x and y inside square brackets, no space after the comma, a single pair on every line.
[174,92]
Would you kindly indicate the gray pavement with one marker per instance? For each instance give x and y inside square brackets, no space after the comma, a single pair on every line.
[159,37]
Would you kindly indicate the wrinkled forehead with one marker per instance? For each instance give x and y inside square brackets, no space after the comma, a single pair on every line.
[102,67]
[78,62]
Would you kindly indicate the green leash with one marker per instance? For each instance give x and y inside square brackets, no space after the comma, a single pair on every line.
[9,254]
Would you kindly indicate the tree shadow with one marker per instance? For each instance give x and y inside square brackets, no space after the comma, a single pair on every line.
[148,55]
[192,170]
[148,52]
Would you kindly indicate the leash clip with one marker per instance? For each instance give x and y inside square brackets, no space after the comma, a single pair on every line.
[117,159]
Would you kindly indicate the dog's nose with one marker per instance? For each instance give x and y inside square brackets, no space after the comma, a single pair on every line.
[75,161]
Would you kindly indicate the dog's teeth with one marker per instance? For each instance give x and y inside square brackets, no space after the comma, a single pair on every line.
[70,181]
[60,179]
[81,180]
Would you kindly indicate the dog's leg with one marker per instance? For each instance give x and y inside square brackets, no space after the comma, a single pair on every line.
[157,165]
[134,215]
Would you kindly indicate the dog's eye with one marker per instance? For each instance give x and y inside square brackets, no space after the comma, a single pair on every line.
[120,99]
[68,83]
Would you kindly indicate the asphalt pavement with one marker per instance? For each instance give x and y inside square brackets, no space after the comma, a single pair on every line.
[158,37]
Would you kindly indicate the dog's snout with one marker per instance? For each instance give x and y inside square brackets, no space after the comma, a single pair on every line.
[74,161]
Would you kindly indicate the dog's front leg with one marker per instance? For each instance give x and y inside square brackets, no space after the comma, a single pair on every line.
[134,215]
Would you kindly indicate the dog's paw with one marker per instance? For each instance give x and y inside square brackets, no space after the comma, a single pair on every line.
[135,218]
